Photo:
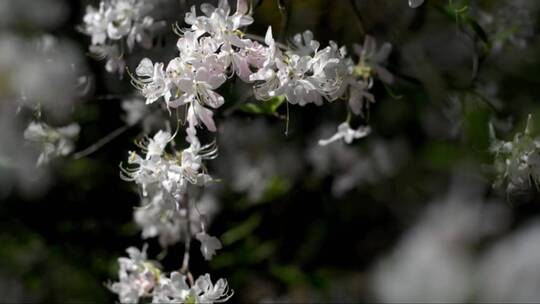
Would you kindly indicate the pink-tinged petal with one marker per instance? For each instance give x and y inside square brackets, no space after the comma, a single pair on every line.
[242,7]
[206,116]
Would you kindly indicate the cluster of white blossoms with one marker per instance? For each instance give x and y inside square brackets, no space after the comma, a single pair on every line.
[52,142]
[168,213]
[517,162]
[164,179]
[115,25]
[214,49]
[171,172]
[140,278]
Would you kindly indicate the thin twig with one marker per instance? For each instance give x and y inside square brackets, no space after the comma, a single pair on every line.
[184,204]
[113,96]
[284,18]
[102,142]
[359,18]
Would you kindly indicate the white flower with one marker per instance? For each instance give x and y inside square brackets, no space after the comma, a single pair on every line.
[508,272]
[173,172]
[117,20]
[96,24]
[415,3]
[358,94]
[219,24]
[158,143]
[371,60]
[346,133]
[110,53]
[330,70]
[159,217]
[135,110]
[176,290]
[53,142]
[517,162]
[137,276]
[172,290]
[295,84]
[206,292]
[267,77]
[153,83]
[209,244]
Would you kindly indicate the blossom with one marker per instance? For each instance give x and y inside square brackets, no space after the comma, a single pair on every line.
[111,53]
[171,172]
[137,276]
[176,290]
[371,60]
[135,110]
[516,162]
[346,133]
[172,290]
[415,3]
[53,142]
[209,244]
[153,83]
[207,292]
[117,20]
[158,217]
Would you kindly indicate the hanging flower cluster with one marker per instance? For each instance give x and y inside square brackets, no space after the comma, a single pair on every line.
[517,162]
[214,49]
[115,25]
[141,278]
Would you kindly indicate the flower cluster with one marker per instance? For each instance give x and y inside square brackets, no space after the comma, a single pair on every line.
[214,49]
[140,278]
[169,172]
[517,162]
[164,178]
[115,25]
[53,142]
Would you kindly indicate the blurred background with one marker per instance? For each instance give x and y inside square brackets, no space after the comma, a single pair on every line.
[407,214]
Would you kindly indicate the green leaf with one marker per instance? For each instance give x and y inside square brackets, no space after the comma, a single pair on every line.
[242,230]
[268,107]
[477,29]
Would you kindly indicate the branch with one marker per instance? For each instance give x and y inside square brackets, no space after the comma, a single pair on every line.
[102,142]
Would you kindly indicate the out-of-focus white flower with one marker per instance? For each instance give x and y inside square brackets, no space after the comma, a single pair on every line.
[53,142]
[209,245]
[159,217]
[415,3]
[517,162]
[111,53]
[510,22]
[371,60]
[137,277]
[261,163]
[135,110]
[173,290]
[352,168]
[346,133]
[510,271]
[434,262]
